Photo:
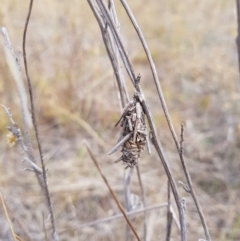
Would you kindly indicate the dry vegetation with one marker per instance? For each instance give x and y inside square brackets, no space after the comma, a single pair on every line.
[193,46]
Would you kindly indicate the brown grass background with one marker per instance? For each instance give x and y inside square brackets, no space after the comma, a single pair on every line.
[193,45]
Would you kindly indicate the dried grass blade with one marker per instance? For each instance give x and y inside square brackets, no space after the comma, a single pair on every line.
[169,214]
[124,112]
[7,217]
[143,201]
[83,124]
[117,216]
[112,193]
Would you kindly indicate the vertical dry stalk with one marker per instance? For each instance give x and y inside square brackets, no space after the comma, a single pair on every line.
[115,55]
[164,106]
[106,18]
[184,209]
[190,187]
[153,68]
[144,203]
[47,194]
[15,69]
[112,50]
[126,180]
[8,219]
[124,98]
[238,36]
[112,193]
[169,214]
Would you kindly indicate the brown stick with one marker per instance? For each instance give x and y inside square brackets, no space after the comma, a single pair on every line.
[47,194]
[112,193]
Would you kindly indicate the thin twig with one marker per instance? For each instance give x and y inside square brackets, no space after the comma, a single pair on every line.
[47,194]
[144,203]
[112,193]
[114,149]
[238,36]
[120,215]
[190,187]
[164,106]
[122,51]
[117,71]
[162,156]
[44,228]
[183,205]
[7,217]
[126,181]
[169,214]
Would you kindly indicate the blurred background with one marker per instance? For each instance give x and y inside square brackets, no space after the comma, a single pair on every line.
[193,45]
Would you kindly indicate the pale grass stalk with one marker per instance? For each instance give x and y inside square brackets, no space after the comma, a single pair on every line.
[143,202]
[107,19]
[7,217]
[82,123]
[190,187]
[44,228]
[126,181]
[118,72]
[23,226]
[15,68]
[238,34]
[169,214]
[117,216]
